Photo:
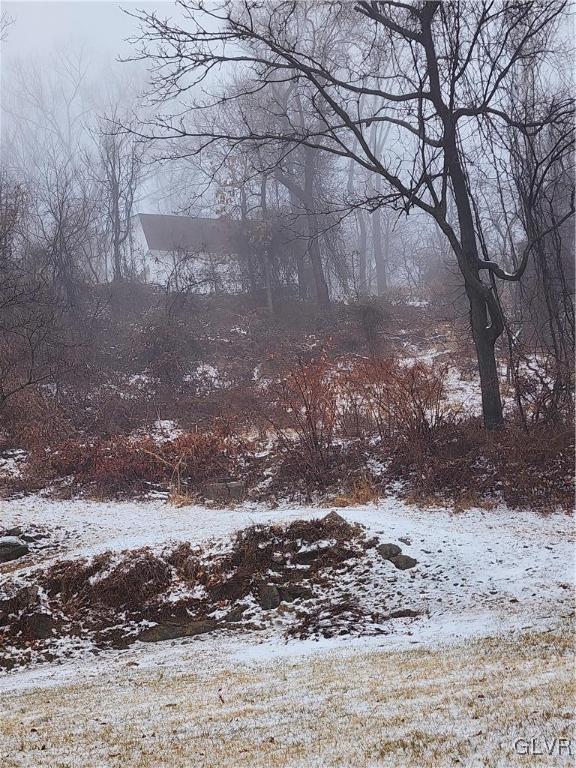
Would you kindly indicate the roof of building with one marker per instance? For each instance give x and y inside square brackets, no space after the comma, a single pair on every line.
[188,233]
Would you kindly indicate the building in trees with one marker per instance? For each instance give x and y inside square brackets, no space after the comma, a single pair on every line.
[212,255]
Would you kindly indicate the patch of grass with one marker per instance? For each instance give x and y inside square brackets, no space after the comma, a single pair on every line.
[464,704]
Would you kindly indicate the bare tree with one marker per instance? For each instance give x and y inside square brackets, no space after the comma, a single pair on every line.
[31,313]
[6,22]
[432,71]
[118,172]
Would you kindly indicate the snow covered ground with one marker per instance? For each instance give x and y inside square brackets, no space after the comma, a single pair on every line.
[460,705]
[485,582]
[478,572]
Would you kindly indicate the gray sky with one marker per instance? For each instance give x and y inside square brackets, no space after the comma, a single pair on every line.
[40,26]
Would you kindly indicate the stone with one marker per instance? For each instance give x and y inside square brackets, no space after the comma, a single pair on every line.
[403,613]
[307,556]
[291,592]
[268,596]
[16,600]
[173,631]
[40,626]
[225,491]
[236,614]
[403,562]
[334,517]
[388,551]
[11,548]
[13,532]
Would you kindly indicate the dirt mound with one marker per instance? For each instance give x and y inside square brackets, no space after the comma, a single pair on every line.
[309,579]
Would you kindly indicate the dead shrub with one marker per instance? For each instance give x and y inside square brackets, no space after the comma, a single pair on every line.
[132,581]
[393,400]
[106,467]
[200,456]
[165,347]
[305,413]
[363,491]
[85,586]
[296,477]
[543,388]
[186,561]
[32,419]
[465,465]
[121,465]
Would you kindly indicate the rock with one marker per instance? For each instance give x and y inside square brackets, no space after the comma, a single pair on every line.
[237,489]
[402,613]
[17,600]
[13,532]
[236,614]
[291,592]
[307,556]
[173,631]
[268,596]
[388,551]
[403,562]
[226,490]
[334,517]
[11,548]
[40,626]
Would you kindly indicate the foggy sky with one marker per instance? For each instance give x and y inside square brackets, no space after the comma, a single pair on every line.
[41,26]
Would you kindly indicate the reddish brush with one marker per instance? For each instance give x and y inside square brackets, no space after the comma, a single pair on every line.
[464,464]
[122,465]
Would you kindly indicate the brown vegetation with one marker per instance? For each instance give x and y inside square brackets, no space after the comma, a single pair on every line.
[290,413]
[111,598]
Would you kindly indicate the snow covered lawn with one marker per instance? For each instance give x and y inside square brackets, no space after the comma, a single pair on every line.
[487,661]
[478,571]
[463,704]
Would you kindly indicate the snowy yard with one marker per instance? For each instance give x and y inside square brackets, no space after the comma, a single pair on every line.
[489,654]
[287,384]
[465,704]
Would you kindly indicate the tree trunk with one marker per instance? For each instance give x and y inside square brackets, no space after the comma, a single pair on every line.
[298,239]
[380,253]
[362,281]
[301,273]
[322,293]
[306,197]
[268,285]
[116,247]
[380,249]
[485,316]
[246,246]
[266,266]
[362,262]
[484,341]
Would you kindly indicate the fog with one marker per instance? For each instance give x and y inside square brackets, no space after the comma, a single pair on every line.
[308,160]
[287,335]
[40,28]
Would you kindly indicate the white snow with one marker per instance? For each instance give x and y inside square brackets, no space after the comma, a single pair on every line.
[164,430]
[479,572]
[12,463]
